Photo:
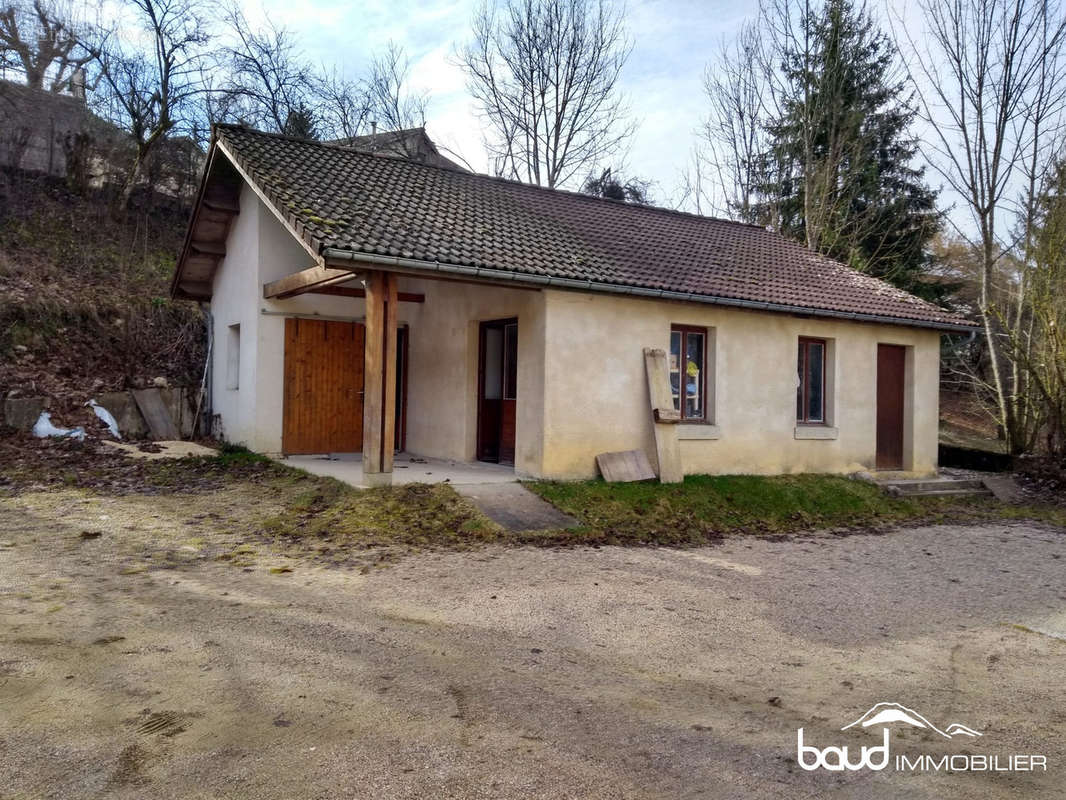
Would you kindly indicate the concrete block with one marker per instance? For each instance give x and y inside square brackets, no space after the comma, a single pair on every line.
[122,407]
[180,403]
[22,412]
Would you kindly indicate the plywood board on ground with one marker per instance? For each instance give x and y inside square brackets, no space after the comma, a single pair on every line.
[625,466]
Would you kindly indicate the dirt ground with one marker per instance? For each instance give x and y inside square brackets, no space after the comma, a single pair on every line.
[134,663]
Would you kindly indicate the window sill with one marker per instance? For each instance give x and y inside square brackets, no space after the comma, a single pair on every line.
[698,430]
[816,432]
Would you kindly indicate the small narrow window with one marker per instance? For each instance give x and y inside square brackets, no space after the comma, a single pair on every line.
[688,371]
[233,357]
[493,363]
[810,383]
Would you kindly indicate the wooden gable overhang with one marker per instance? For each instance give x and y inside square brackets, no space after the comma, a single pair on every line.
[217,204]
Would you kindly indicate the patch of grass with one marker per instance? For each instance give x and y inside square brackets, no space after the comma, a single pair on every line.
[230,455]
[707,507]
[333,520]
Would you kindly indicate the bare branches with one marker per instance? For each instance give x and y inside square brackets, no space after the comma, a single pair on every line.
[153,88]
[47,41]
[343,107]
[738,92]
[392,103]
[545,75]
[268,78]
[992,83]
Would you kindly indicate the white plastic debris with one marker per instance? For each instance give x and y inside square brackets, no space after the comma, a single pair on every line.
[106,417]
[44,428]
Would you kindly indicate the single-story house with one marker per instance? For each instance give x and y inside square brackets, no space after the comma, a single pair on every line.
[367,303]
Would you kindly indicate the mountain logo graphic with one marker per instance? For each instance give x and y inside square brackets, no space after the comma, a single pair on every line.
[888,713]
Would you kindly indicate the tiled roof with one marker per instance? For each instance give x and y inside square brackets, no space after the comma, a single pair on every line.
[342,199]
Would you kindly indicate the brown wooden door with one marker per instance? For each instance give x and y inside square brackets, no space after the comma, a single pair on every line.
[323,393]
[891,366]
[498,391]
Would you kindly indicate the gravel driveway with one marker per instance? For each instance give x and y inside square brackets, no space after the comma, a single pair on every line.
[502,673]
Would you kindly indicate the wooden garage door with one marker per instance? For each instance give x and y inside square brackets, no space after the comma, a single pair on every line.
[323,401]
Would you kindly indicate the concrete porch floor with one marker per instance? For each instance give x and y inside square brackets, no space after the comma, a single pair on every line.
[407,468]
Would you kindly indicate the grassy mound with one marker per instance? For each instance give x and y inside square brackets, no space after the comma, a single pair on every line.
[706,507]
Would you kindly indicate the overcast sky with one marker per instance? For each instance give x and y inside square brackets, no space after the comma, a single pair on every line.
[672,42]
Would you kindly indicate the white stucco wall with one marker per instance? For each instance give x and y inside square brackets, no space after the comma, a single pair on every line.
[235,302]
[598,400]
[259,249]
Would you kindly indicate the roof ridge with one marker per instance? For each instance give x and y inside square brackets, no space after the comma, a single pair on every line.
[498,179]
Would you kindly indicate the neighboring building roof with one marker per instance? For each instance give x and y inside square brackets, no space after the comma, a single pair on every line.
[346,203]
[413,144]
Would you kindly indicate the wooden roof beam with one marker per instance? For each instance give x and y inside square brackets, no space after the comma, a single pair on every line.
[194,290]
[223,205]
[305,281]
[215,249]
[346,291]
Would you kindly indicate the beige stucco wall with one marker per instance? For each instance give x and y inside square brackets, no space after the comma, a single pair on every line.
[443,368]
[598,399]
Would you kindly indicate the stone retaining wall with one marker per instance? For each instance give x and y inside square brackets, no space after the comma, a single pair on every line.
[22,412]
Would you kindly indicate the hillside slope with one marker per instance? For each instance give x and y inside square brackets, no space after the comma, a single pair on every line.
[84,299]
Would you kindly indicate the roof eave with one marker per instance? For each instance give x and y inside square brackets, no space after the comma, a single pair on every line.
[176,291]
[541,281]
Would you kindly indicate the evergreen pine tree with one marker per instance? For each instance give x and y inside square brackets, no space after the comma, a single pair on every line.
[300,123]
[839,173]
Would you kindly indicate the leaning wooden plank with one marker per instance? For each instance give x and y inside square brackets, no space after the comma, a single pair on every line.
[625,466]
[155,413]
[667,448]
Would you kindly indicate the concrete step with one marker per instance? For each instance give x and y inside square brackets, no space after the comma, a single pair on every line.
[934,484]
[936,487]
[948,493]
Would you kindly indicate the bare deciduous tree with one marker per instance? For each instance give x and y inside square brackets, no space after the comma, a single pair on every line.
[153,89]
[47,41]
[734,134]
[545,75]
[268,77]
[392,103]
[990,79]
[343,106]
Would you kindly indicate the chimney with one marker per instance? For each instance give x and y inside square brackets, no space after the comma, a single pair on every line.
[77,84]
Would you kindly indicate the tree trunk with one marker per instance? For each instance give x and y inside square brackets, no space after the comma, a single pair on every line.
[122,201]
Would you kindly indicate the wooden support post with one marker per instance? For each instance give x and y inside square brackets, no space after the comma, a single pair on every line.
[379,378]
[388,433]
